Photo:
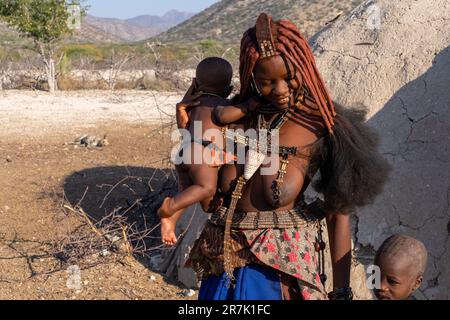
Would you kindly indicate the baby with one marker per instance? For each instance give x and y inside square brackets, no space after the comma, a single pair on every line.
[198,181]
[402,261]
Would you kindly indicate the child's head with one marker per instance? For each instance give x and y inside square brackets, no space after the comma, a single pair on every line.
[214,75]
[402,261]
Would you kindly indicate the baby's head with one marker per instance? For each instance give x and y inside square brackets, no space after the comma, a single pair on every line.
[214,75]
[402,261]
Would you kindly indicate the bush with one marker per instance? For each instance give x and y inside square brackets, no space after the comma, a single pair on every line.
[84,50]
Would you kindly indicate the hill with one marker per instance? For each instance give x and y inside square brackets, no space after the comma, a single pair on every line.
[228,19]
[140,27]
[104,30]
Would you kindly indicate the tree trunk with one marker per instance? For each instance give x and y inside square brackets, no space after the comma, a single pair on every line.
[47,56]
[51,75]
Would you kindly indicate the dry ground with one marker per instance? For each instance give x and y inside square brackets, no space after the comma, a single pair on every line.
[37,168]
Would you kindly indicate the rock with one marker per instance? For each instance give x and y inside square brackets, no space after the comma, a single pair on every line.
[394,58]
[155,262]
[8,159]
[121,246]
[148,78]
[187,293]
[112,238]
[90,141]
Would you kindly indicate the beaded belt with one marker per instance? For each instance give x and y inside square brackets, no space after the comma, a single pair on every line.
[265,219]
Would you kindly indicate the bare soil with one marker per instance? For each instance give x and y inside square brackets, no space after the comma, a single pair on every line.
[39,169]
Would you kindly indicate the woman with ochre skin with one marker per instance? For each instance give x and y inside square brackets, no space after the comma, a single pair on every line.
[280,260]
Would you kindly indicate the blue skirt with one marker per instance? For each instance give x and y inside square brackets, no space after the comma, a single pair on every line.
[253,282]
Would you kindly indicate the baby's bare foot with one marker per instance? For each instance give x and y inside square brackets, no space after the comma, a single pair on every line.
[168,230]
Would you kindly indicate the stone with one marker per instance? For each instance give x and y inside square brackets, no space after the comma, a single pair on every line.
[148,78]
[155,262]
[187,293]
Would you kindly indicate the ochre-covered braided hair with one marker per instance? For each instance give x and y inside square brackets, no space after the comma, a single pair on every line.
[282,37]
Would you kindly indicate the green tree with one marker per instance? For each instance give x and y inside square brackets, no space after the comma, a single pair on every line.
[46,22]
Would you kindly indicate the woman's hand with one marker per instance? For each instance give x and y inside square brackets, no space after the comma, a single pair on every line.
[187,103]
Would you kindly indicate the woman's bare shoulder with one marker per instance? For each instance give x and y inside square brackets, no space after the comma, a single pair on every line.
[301,133]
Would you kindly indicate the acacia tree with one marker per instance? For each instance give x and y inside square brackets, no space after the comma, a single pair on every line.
[46,22]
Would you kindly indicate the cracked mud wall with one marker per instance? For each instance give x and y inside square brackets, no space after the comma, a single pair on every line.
[401,73]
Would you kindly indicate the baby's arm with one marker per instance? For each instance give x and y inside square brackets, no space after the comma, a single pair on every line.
[230,114]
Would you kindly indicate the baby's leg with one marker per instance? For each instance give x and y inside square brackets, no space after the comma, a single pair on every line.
[168,220]
[204,179]
[204,188]
[199,183]
[167,208]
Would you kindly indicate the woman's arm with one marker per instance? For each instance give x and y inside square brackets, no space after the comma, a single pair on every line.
[339,236]
[182,115]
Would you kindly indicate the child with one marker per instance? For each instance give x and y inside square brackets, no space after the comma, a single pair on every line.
[402,261]
[198,182]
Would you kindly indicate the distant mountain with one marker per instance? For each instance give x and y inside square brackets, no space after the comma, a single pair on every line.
[138,28]
[168,20]
[121,29]
[227,20]
[98,30]
[93,33]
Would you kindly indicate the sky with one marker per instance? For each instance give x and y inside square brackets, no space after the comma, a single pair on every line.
[125,9]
